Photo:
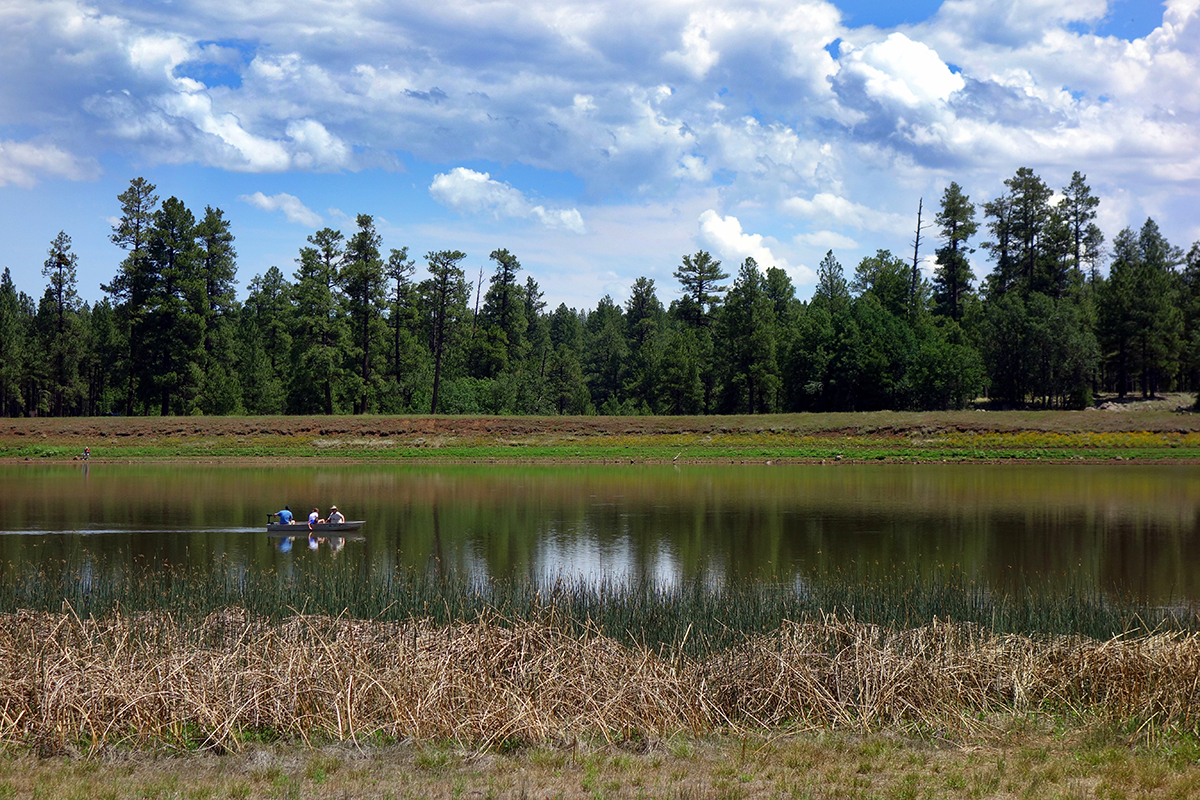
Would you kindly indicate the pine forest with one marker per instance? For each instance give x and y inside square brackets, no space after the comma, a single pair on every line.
[1063,315]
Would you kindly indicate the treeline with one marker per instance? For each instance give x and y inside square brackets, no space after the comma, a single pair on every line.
[351,331]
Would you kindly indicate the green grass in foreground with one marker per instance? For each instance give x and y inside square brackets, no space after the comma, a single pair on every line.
[1028,760]
[700,619]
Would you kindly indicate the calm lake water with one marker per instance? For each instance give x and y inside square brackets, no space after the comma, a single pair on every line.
[1128,529]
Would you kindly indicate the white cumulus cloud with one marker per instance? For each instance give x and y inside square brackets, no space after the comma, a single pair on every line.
[724,235]
[314,147]
[899,70]
[826,240]
[290,205]
[23,163]
[471,192]
[831,208]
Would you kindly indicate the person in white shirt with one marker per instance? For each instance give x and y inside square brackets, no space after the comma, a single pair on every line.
[335,516]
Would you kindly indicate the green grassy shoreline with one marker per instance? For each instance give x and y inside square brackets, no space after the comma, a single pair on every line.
[1162,431]
[1043,758]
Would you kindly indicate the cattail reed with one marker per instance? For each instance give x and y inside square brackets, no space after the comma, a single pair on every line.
[76,684]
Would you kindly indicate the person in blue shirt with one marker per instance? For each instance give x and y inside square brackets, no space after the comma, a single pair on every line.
[285,516]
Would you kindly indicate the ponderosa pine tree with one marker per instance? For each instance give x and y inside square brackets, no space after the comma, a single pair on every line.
[952,277]
[130,287]
[321,333]
[746,331]
[887,278]
[63,336]
[267,322]
[700,278]
[362,279]
[445,295]
[831,284]
[101,350]
[606,354]
[1019,219]
[171,331]
[1140,320]
[219,393]
[408,368]
[782,294]
[1190,306]
[533,395]
[644,318]
[1077,209]
[12,346]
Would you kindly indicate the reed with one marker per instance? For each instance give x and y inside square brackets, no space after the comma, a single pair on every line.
[85,684]
[698,617]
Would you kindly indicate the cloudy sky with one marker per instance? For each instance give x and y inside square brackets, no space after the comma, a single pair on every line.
[597,140]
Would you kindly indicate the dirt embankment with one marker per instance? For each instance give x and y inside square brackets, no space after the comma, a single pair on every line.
[1167,414]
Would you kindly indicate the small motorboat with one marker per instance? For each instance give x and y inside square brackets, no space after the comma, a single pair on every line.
[316,529]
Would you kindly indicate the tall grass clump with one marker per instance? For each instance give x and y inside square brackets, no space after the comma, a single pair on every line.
[217,658]
[696,616]
[76,684]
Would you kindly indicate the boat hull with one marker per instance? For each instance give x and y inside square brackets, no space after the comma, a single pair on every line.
[303,528]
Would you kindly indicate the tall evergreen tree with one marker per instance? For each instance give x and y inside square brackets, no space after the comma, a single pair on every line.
[1030,218]
[700,277]
[101,353]
[533,398]
[409,359]
[172,329]
[13,347]
[1141,322]
[566,329]
[130,287]
[321,334]
[831,284]
[1018,222]
[681,389]
[504,305]
[644,318]
[267,325]
[64,334]
[1077,209]
[952,278]
[782,294]
[748,343]
[1190,306]
[885,277]
[219,393]
[445,294]
[362,279]
[606,355]
[827,374]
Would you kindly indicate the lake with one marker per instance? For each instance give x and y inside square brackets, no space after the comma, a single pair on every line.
[1129,530]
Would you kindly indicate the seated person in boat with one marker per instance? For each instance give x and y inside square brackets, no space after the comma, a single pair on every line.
[285,516]
[335,516]
[314,517]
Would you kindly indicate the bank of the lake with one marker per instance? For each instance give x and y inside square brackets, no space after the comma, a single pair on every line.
[1160,430]
[1030,759]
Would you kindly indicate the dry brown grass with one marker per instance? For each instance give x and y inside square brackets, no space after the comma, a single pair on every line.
[82,685]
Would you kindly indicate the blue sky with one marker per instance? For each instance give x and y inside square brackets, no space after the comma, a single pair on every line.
[598,141]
